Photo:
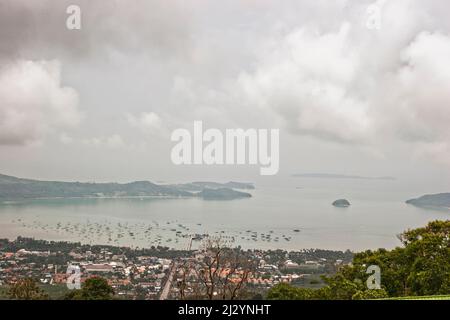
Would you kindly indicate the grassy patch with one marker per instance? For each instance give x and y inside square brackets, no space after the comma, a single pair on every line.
[443,297]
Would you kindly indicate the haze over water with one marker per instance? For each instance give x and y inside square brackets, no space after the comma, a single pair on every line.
[293,214]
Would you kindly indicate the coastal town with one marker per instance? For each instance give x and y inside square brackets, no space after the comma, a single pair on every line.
[159,272]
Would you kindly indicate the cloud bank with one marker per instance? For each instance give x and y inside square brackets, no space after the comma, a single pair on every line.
[314,68]
[33,102]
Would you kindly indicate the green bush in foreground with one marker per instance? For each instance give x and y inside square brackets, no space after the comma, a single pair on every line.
[420,268]
[26,289]
[95,288]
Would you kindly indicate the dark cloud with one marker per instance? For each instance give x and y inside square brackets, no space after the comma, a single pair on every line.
[38,28]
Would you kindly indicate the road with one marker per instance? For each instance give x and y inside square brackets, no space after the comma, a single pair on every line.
[166,290]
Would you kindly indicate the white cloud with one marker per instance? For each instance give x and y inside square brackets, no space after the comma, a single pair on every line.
[306,78]
[416,107]
[65,138]
[114,141]
[33,101]
[146,122]
[423,88]
[354,85]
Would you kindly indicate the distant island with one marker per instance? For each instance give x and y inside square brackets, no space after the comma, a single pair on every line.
[338,176]
[222,194]
[200,185]
[342,203]
[13,188]
[440,200]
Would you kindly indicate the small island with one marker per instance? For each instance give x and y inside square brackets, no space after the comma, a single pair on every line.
[341,203]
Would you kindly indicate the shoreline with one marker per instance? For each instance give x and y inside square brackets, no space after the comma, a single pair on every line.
[72,242]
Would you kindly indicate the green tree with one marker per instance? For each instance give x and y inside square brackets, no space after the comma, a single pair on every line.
[370,294]
[284,291]
[428,251]
[95,288]
[339,288]
[26,289]
[420,267]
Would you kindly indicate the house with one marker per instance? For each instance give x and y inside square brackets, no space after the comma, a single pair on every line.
[98,268]
[289,264]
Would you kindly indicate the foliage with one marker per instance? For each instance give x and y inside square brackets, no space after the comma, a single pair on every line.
[370,294]
[94,288]
[283,291]
[26,289]
[421,267]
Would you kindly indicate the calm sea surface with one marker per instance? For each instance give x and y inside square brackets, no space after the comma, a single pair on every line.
[294,214]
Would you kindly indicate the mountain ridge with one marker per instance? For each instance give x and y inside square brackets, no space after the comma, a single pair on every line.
[14,188]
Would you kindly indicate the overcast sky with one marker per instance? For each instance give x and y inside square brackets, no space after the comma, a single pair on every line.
[100,103]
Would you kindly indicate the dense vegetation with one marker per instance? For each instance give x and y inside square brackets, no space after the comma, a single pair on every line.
[26,289]
[420,267]
[95,288]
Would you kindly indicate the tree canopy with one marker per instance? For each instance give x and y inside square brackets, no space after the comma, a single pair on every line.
[421,266]
[26,289]
[95,288]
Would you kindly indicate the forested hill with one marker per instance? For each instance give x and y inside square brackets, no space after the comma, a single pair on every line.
[13,188]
